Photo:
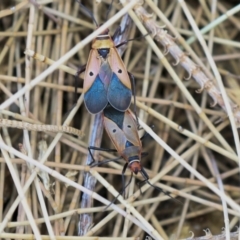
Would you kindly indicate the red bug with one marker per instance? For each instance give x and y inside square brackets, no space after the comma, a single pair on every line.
[106,79]
[122,129]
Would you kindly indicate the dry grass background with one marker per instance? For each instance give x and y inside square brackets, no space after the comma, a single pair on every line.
[193,149]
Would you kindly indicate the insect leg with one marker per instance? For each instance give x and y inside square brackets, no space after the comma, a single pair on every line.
[99,149]
[146,134]
[123,179]
[87,12]
[146,178]
[94,164]
[145,175]
[129,40]
[132,79]
[123,190]
[116,33]
[102,149]
[109,9]
[144,154]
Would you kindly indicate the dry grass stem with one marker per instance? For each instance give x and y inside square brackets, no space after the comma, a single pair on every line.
[39,127]
[189,129]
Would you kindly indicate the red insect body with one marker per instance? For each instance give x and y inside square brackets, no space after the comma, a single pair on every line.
[106,79]
[124,137]
[122,129]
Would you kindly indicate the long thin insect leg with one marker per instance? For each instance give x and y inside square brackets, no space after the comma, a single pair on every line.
[109,9]
[134,96]
[94,164]
[116,33]
[123,179]
[145,175]
[146,134]
[129,40]
[123,190]
[120,193]
[102,149]
[99,149]
[144,154]
[93,160]
[87,12]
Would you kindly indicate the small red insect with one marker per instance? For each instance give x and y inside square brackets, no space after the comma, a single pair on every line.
[122,129]
[106,78]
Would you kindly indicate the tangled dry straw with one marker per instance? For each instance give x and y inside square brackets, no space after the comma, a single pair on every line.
[47,190]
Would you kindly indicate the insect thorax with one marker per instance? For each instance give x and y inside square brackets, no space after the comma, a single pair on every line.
[103,41]
[132,154]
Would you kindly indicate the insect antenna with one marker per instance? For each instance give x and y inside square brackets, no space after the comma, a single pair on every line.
[87,12]
[120,193]
[146,180]
[132,39]
[109,9]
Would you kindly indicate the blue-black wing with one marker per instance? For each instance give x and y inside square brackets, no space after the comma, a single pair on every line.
[119,96]
[96,97]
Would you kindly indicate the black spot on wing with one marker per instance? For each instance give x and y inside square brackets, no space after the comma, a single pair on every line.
[119,96]
[96,97]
